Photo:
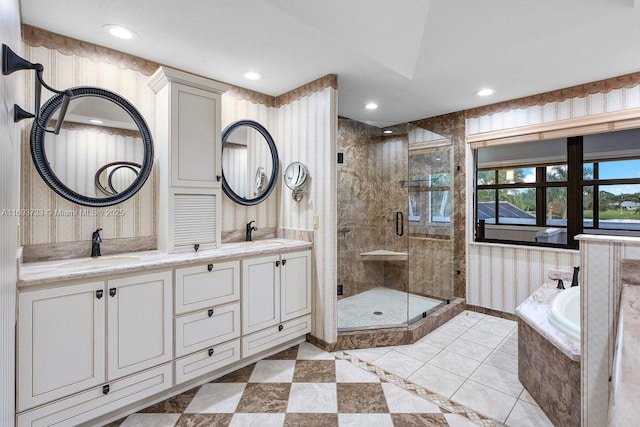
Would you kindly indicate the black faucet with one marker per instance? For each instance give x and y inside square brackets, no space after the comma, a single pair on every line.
[574,280]
[95,243]
[250,228]
[560,284]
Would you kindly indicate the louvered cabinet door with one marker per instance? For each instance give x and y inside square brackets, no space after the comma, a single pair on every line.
[195,220]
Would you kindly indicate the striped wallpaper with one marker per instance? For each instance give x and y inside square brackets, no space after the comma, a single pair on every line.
[10,93]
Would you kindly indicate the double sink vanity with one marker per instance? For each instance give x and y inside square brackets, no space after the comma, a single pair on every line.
[101,336]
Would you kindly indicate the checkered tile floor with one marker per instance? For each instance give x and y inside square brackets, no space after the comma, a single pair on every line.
[305,386]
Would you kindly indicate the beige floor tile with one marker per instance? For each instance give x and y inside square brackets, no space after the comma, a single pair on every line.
[458,421]
[485,400]
[438,339]
[369,354]
[262,420]
[455,363]
[400,400]
[273,371]
[527,415]
[527,397]
[492,328]
[452,329]
[313,398]
[419,350]
[481,337]
[398,363]
[509,345]
[151,420]
[308,351]
[470,349]
[437,380]
[503,360]
[499,379]
[369,420]
[346,372]
[216,398]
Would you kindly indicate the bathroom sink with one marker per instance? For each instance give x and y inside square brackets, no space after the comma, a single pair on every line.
[266,242]
[99,262]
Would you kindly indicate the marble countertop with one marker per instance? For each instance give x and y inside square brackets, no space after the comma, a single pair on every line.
[625,382]
[535,311]
[49,272]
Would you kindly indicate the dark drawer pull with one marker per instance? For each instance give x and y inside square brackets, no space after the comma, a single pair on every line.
[218,178]
[113,292]
[277,263]
[210,267]
[105,389]
[284,261]
[210,352]
[99,293]
[280,327]
[210,312]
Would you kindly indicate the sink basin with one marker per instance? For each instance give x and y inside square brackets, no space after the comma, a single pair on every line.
[99,262]
[266,242]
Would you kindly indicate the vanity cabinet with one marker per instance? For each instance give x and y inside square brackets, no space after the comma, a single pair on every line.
[62,333]
[188,146]
[276,300]
[207,322]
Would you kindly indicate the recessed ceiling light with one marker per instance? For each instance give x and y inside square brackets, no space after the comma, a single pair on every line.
[387,131]
[96,121]
[119,31]
[252,75]
[484,92]
[371,106]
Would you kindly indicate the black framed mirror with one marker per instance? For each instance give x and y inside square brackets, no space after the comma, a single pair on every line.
[250,162]
[100,128]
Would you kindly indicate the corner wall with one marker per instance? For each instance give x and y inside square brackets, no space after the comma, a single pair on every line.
[10,93]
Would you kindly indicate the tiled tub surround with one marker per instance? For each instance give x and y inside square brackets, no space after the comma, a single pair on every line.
[548,360]
[625,382]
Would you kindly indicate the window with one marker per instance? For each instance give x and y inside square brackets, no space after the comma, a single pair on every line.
[527,194]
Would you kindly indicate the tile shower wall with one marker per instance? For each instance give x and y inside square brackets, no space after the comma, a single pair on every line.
[10,93]
[369,194]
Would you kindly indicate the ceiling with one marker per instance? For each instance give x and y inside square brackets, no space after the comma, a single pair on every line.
[414,58]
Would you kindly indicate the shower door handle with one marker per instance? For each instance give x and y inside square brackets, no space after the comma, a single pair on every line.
[399,223]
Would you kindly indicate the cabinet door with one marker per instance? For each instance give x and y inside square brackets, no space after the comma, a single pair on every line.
[295,280]
[207,285]
[139,326]
[61,339]
[260,293]
[195,137]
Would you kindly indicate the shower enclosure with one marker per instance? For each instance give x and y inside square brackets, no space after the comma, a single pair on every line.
[395,251]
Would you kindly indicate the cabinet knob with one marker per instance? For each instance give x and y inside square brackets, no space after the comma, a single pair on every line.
[210,312]
[210,267]
[284,261]
[210,352]
[280,327]
[113,292]
[277,263]
[218,178]
[99,293]
[105,389]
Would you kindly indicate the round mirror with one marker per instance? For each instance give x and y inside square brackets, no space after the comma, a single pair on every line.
[103,153]
[295,175]
[249,162]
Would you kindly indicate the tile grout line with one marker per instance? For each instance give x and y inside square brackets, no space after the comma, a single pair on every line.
[442,402]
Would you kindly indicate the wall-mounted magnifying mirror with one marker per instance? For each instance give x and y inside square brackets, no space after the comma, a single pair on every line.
[250,162]
[296,176]
[103,154]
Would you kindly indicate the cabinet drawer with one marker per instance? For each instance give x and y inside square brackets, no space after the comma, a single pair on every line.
[206,361]
[207,285]
[207,328]
[275,335]
[93,403]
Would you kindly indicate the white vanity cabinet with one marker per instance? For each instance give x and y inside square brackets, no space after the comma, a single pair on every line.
[188,144]
[207,322]
[276,300]
[62,332]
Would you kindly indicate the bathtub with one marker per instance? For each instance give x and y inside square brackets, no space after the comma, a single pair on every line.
[564,313]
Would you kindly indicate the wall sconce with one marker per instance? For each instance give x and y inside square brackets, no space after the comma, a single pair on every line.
[296,177]
[12,62]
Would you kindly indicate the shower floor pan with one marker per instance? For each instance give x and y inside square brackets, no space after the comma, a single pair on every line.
[382,307]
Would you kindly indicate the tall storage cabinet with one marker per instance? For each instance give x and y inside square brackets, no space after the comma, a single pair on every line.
[188,151]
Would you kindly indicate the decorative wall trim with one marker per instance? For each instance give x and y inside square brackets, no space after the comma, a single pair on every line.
[37,37]
[579,91]
[242,94]
[318,85]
